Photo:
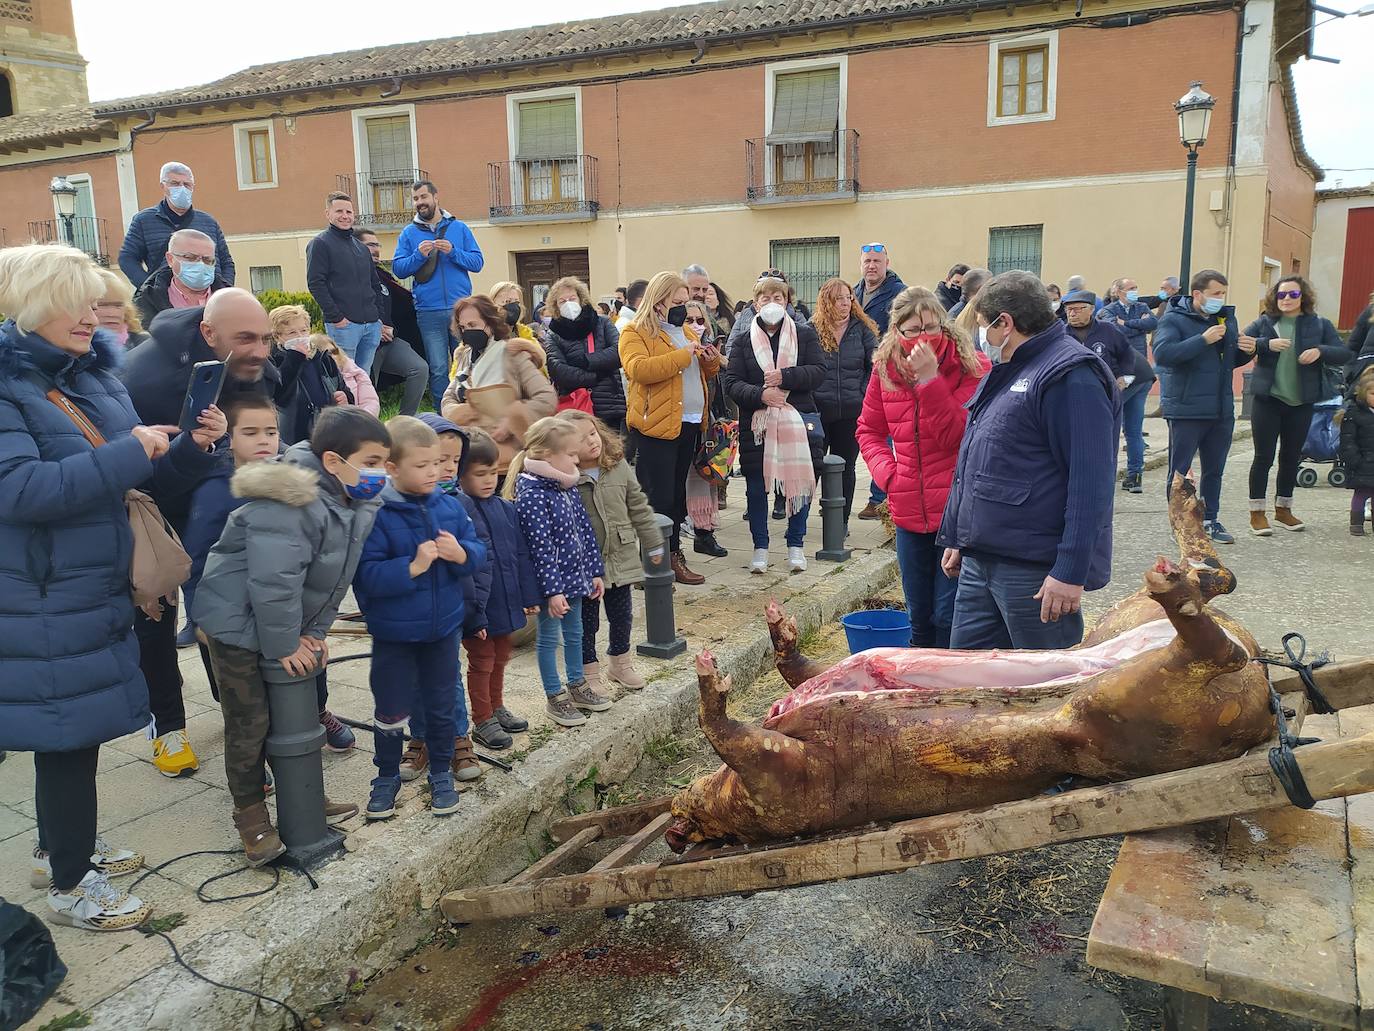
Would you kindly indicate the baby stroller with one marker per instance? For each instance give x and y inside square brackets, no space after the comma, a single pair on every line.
[1323,445]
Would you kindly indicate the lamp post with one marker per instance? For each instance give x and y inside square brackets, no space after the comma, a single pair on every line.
[1194,118]
[64,197]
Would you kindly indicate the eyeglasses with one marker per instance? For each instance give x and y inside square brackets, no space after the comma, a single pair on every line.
[912,334]
[1290,295]
[873,248]
[194,259]
[773,273]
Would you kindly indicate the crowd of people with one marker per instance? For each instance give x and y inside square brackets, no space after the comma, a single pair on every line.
[989,410]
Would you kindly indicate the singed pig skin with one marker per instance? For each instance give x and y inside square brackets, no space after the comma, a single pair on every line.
[848,755]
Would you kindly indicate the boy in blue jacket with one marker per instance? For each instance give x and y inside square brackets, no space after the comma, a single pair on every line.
[409,587]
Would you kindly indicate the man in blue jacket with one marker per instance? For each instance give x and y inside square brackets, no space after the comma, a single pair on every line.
[875,291]
[1028,524]
[144,250]
[1197,347]
[1128,313]
[1111,345]
[440,252]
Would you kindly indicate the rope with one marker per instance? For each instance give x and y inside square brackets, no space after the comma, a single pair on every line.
[1304,670]
[1281,758]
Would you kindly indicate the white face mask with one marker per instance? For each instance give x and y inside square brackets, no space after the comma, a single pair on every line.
[570,310]
[772,313]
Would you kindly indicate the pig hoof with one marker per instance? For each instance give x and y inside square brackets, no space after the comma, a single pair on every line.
[723,685]
[706,664]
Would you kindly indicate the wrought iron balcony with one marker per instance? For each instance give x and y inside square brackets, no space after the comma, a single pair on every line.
[819,170]
[553,189]
[83,232]
[381,198]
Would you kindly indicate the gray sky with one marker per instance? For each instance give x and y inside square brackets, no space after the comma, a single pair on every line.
[118,39]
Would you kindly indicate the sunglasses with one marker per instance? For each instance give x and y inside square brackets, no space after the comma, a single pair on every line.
[875,248]
[1291,295]
[773,273]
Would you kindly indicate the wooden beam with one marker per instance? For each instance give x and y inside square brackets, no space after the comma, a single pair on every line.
[1244,785]
[551,861]
[613,823]
[1345,684]
[635,844]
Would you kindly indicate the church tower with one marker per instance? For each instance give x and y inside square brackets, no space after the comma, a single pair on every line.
[40,66]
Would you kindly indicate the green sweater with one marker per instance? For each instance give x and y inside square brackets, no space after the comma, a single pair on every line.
[1286,387]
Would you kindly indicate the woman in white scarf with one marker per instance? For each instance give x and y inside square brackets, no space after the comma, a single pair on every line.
[770,377]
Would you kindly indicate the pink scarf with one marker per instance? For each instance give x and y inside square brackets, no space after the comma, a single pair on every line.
[538,467]
[786,449]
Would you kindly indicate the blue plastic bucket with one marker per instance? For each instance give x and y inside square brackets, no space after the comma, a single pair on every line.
[876,628]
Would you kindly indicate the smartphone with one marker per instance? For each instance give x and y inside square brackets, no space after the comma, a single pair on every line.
[207,379]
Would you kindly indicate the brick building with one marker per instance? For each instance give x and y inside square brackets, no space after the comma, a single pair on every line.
[740,135]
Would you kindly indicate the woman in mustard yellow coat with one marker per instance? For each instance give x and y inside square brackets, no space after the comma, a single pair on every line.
[668,371]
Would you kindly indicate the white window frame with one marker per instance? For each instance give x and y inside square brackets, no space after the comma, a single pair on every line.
[513,102]
[361,115]
[243,157]
[1049,40]
[770,74]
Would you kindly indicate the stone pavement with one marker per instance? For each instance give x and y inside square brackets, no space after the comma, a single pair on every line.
[164,818]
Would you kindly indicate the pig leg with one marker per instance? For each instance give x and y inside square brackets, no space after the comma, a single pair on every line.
[764,759]
[1201,638]
[1195,547]
[796,668]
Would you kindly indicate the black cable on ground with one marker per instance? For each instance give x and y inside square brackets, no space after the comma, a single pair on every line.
[176,955]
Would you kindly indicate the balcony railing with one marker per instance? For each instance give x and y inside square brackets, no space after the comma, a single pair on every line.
[83,232]
[381,198]
[553,189]
[811,171]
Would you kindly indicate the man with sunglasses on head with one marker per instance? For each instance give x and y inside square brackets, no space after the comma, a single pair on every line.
[186,280]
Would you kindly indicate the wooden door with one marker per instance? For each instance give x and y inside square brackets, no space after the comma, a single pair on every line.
[537,271]
[1357,281]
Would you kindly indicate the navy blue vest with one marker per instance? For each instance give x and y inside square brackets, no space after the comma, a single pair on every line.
[1009,493]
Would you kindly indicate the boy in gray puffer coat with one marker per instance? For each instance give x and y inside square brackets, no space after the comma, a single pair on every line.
[273,584]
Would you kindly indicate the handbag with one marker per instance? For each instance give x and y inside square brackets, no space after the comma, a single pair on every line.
[581,398]
[815,429]
[425,272]
[160,564]
[715,455]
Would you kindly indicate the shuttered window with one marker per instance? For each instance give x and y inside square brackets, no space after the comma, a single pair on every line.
[806,106]
[548,129]
[388,145]
[1015,247]
[264,277]
[1021,81]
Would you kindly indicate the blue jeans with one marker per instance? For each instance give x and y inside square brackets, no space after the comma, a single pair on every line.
[1209,440]
[358,340]
[404,672]
[555,633]
[460,711]
[929,593]
[756,504]
[995,607]
[439,344]
[1133,426]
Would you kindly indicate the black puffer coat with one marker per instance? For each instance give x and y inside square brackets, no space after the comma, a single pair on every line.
[743,380]
[571,367]
[840,394]
[1357,445]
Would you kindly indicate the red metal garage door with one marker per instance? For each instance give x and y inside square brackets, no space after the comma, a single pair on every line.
[1357,281]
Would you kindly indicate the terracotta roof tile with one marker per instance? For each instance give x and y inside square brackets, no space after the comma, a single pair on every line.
[53,123]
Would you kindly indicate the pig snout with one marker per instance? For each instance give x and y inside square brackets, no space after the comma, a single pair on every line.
[680,834]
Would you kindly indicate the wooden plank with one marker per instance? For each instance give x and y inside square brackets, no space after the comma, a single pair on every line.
[1359,813]
[1185,796]
[613,823]
[635,844]
[1226,910]
[1344,684]
[546,865]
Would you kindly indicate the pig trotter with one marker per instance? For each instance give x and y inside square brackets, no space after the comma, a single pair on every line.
[756,754]
[796,668]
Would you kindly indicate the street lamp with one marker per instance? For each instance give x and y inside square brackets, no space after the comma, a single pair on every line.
[64,197]
[1194,119]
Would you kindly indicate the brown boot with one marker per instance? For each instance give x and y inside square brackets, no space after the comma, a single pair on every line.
[1259,524]
[870,511]
[415,761]
[260,841]
[465,764]
[1357,525]
[1283,515]
[336,813]
[683,574]
[623,672]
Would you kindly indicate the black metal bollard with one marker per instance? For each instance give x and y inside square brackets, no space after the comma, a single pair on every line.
[294,740]
[659,622]
[832,511]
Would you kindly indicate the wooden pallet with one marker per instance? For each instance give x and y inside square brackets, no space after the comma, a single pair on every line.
[1245,785]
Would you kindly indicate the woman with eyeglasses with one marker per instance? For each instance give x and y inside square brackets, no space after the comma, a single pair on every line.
[704,502]
[584,354]
[1291,344]
[926,370]
[510,298]
[848,339]
[773,372]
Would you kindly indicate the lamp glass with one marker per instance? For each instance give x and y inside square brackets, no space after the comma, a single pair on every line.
[1194,115]
[64,194]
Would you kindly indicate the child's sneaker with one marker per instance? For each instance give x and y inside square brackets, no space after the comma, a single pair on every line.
[490,734]
[382,802]
[415,760]
[562,711]
[465,765]
[623,672]
[107,860]
[337,737]
[443,797]
[584,697]
[510,722]
[97,905]
[172,754]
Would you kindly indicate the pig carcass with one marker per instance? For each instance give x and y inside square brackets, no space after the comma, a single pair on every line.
[899,733]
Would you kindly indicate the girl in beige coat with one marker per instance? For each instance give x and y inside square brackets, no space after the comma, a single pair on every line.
[499,383]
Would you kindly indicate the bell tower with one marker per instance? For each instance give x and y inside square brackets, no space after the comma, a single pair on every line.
[40,66]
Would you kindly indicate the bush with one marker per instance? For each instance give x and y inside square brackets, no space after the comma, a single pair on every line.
[276,298]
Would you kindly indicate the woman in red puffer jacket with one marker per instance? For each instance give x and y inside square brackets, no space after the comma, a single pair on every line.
[925,371]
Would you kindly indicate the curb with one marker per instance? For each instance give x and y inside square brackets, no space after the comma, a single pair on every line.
[374,905]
